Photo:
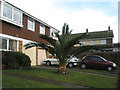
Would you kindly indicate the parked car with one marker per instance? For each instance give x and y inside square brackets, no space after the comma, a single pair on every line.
[95,61]
[52,61]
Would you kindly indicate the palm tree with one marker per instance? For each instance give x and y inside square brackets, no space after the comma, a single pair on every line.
[63,48]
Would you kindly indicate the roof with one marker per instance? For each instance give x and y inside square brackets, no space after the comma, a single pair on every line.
[42,22]
[98,34]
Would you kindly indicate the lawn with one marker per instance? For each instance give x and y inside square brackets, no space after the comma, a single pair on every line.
[82,79]
[13,82]
[77,69]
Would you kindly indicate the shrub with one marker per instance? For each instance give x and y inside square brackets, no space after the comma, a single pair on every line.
[14,60]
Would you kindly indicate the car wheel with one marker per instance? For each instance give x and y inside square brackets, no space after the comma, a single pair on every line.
[109,68]
[83,66]
[70,65]
[48,63]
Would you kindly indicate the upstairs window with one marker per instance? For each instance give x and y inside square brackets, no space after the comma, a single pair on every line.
[17,16]
[7,11]
[42,29]
[31,24]
[12,14]
[52,32]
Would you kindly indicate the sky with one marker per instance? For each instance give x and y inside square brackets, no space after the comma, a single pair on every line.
[94,15]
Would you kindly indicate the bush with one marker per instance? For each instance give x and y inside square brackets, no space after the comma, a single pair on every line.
[15,60]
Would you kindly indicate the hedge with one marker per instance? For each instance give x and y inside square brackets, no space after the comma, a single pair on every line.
[15,60]
[110,56]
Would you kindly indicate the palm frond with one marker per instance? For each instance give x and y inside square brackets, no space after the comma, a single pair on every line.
[48,39]
[30,45]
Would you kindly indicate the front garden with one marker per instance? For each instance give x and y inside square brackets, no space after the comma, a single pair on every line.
[38,77]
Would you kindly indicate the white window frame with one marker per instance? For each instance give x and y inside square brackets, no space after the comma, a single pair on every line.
[42,29]
[8,40]
[33,24]
[8,19]
[92,42]
[20,16]
[103,42]
[11,11]
[52,32]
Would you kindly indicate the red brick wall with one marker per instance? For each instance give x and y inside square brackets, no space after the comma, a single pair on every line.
[109,41]
[23,32]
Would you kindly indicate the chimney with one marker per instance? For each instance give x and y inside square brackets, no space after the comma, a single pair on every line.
[108,28]
[87,30]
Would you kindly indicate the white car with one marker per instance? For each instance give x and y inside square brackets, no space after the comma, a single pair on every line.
[52,61]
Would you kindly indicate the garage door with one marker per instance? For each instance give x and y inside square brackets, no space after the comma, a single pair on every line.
[41,56]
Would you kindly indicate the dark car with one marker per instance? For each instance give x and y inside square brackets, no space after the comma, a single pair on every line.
[95,61]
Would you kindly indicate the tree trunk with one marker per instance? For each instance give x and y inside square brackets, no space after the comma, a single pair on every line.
[62,70]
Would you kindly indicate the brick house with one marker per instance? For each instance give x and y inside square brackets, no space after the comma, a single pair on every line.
[17,28]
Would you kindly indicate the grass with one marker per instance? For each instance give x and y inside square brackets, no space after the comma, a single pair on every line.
[13,82]
[77,69]
[81,79]
[95,71]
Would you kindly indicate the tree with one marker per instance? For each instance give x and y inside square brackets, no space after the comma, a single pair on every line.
[63,48]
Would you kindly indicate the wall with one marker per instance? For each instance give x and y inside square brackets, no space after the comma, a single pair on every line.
[31,52]
[24,32]
[109,41]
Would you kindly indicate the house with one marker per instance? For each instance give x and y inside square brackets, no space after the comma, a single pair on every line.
[18,27]
[97,38]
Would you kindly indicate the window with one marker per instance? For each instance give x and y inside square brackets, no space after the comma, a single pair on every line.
[31,24]
[13,45]
[42,29]
[7,11]
[103,41]
[17,16]
[12,15]
[90,58]
[53,34]
[98,59]
[8,44]
[92,42]
[4,43]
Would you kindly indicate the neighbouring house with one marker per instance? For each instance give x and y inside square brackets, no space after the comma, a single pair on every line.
[97,38]
[17,28]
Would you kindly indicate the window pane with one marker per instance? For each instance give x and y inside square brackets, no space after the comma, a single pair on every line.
[4,43]
[98,59]
[103,41]
[17,16]
[13,45]
[7,11]
[42,29]
[30,25]
[92,42]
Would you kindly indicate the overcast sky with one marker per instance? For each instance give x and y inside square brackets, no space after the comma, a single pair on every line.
[96,15]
